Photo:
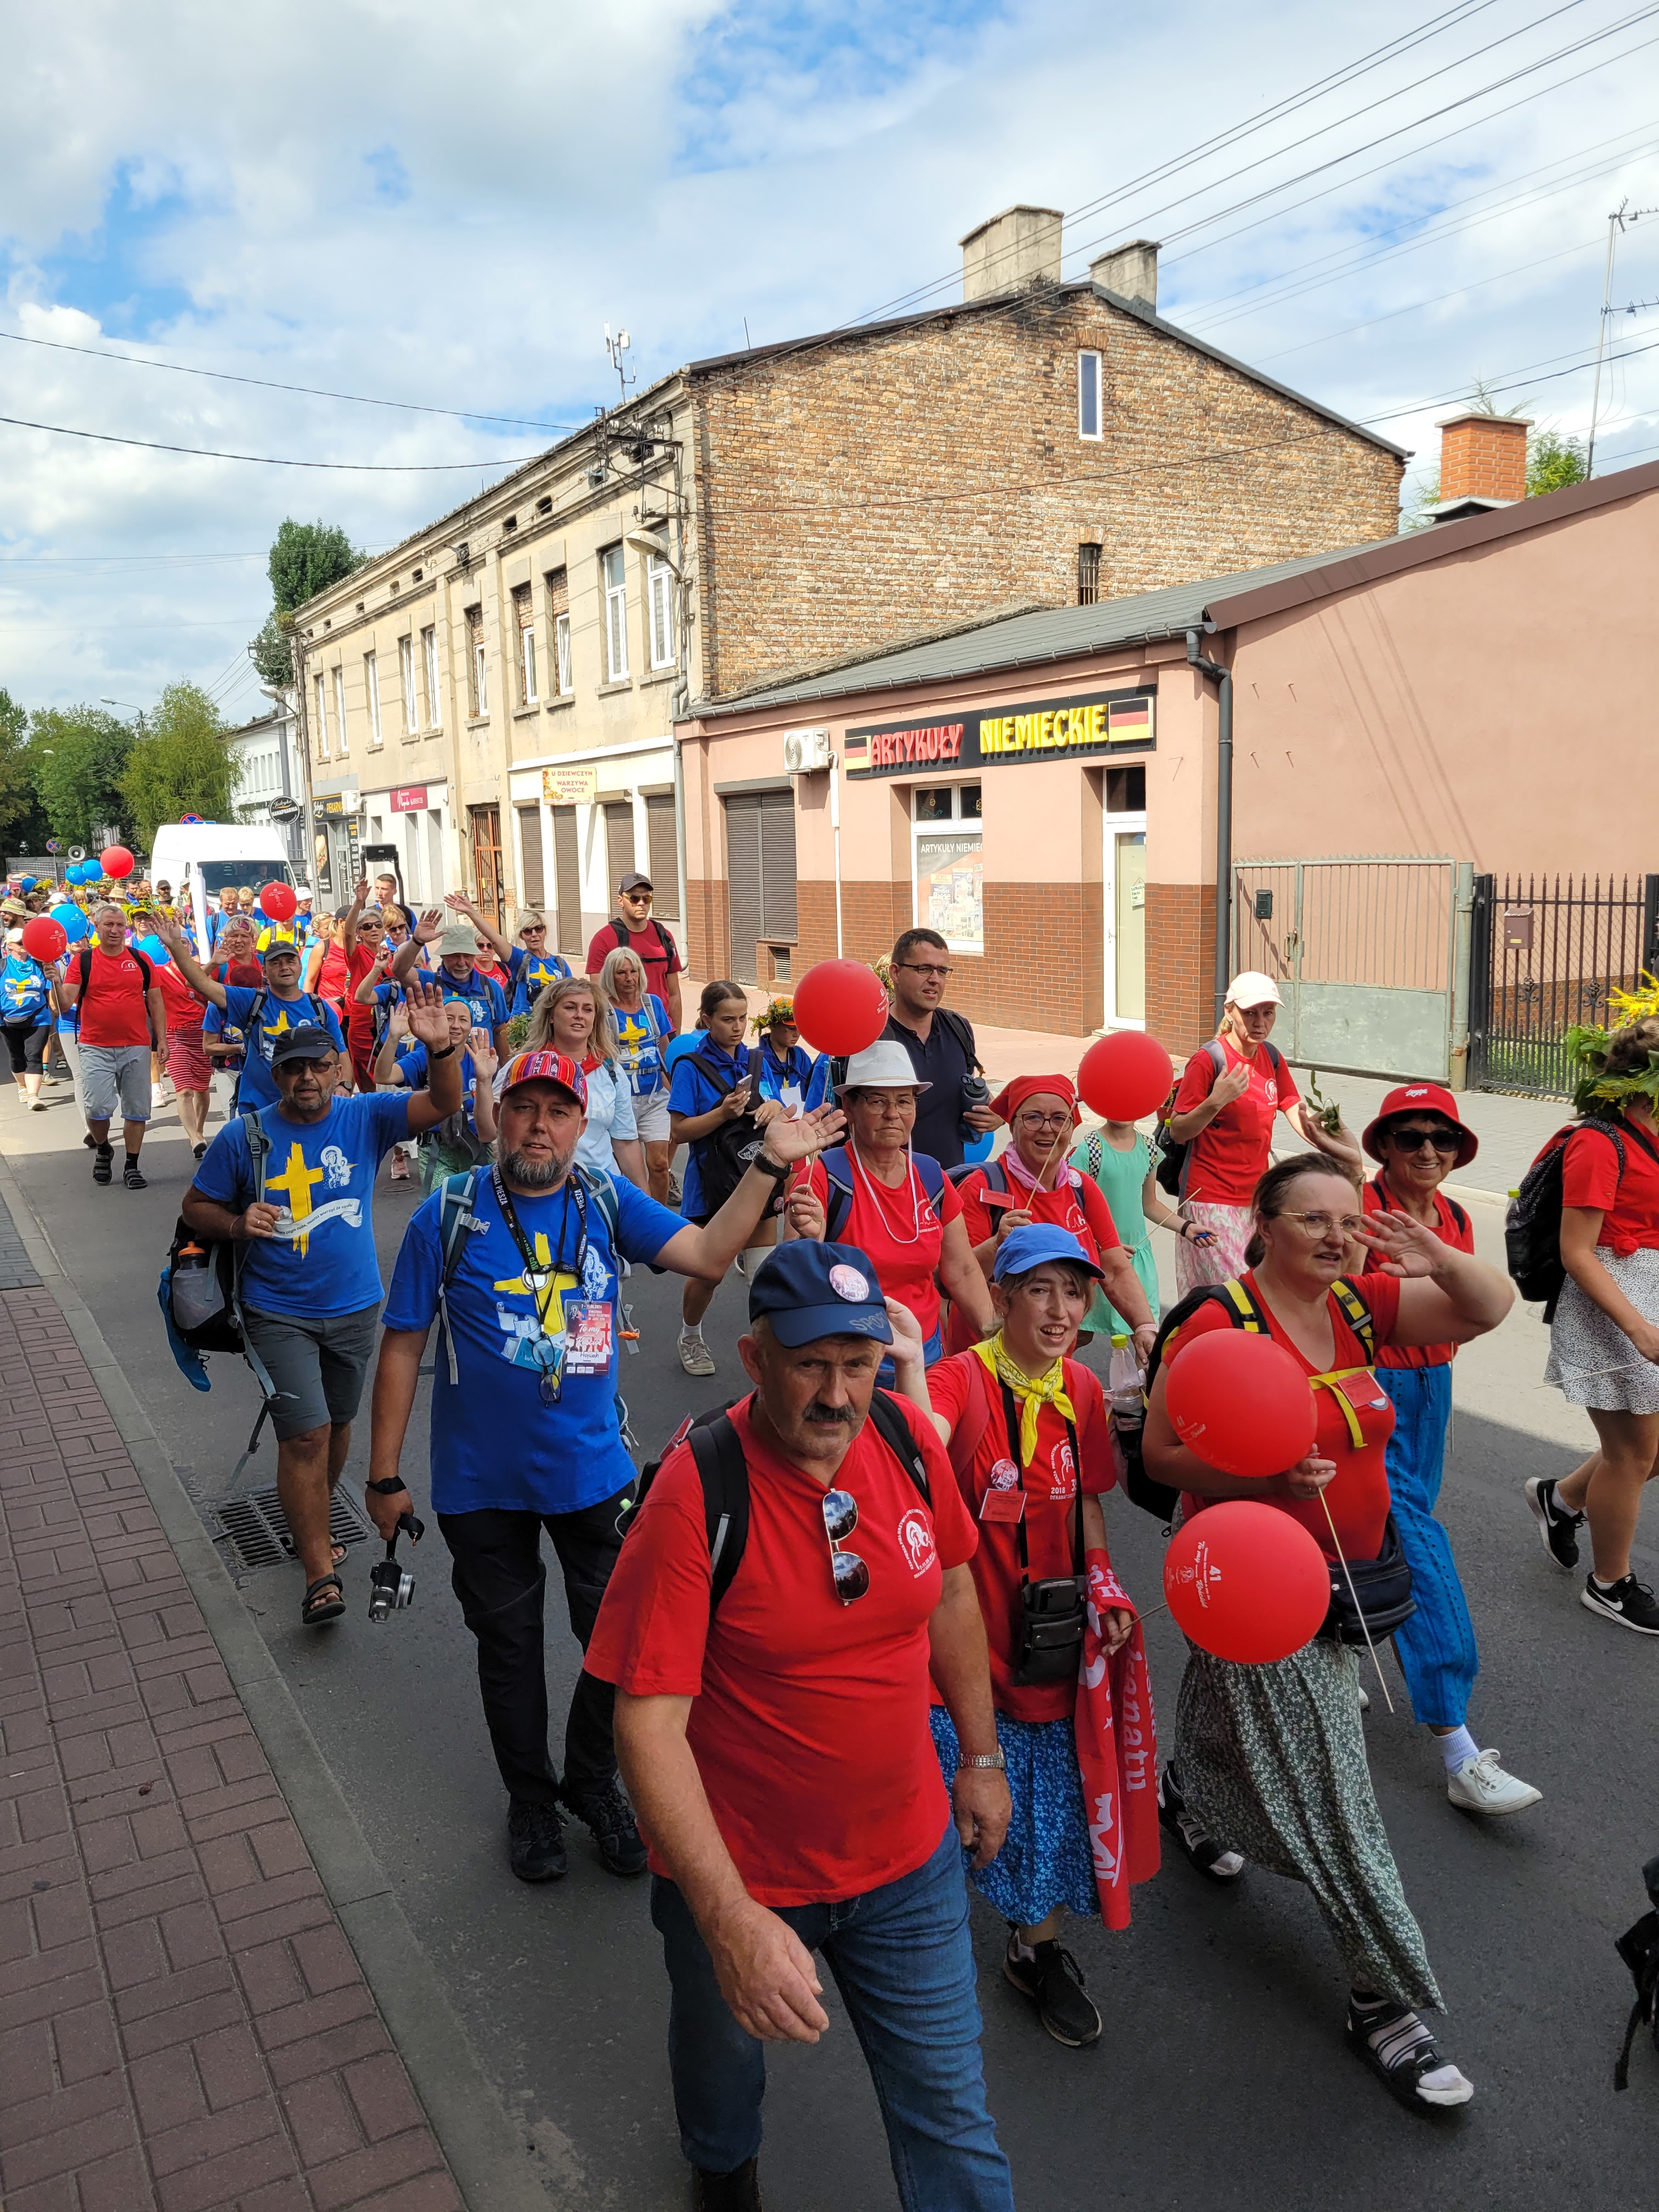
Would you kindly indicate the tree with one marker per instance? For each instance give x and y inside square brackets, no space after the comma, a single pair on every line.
[181,765]
[80,756]
[24,825]
[270,652]
[306,558]
[1553,461]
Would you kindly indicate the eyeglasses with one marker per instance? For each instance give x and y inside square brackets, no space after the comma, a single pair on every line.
[1320,1225]
[840,1517]
[1043,1121]
[916,968]
[1412,1141]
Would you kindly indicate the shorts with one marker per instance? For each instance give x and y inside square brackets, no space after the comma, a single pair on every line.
[650,1118]
[317,1363]
[26,1044]
[187,1064]
[112,1075]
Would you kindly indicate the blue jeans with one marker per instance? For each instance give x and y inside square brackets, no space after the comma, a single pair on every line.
[901,1958]
[1437,1648]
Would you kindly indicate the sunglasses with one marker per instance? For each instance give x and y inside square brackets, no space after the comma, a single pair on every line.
[1412,1141]
[840,1517]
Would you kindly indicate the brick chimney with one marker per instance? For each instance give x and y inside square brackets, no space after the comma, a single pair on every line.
[1482,459]
[1130,270]
[1016,248]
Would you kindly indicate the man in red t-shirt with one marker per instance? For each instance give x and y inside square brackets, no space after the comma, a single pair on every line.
[652,944]
[777,1749]
[123,1019]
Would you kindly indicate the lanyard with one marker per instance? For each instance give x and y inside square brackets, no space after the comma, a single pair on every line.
[548,1353]
[1011,1414]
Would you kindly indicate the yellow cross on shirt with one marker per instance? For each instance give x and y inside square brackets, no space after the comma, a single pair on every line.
[298,1180]
[546,1288]
[278,1027]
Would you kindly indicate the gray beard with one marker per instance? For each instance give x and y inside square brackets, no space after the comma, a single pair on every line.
[534,1175]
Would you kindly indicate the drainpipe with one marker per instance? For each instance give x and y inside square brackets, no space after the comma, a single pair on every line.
[1224,816]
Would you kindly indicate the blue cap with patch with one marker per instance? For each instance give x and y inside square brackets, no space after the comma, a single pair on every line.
[1021,1249]
[806,1290]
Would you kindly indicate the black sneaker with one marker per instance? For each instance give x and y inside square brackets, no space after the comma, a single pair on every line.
[1054,1981]
[1200,1852]
[132,1174]
[611,1817]
[103,1162]
[1630,1603]
[1558,1528]
[737,2191]
[1401,2051]
[535,1841]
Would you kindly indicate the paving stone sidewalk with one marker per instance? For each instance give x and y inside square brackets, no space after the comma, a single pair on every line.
[183,2024]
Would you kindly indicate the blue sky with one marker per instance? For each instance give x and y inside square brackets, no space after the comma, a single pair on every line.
[349,196]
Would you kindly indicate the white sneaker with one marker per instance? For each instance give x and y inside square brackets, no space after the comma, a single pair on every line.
[694,1356]
[1481,1785]
[1365,1699]
[400,1166]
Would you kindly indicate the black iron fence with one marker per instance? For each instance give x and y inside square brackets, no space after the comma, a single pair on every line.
[1544,953]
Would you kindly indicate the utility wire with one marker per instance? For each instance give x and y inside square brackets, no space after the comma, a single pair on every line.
[273,461]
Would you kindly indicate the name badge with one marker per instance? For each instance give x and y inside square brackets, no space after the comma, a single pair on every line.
[589,1338]
[1003,1505]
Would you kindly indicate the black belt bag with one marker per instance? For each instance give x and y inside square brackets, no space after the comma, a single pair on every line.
[1052,1611]
[1383,1587]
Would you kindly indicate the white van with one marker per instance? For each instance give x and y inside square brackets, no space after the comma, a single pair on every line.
[202,858]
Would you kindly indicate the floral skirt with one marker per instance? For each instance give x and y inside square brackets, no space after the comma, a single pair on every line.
[1592,1361]
[1047,1860]
[1220,1263]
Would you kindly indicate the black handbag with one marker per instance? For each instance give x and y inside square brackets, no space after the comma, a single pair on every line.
[1383,1588]
[1052,1611]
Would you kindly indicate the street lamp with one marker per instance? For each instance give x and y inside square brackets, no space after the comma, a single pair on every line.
[128,704]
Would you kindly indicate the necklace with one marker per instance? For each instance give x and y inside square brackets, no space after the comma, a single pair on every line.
[859,1169]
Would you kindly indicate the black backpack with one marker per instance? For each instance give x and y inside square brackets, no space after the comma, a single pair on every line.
[726,1154]
[624,936]
[954,1026]
[1638,1947]
[262,998]
[1173,1155]
[1532,1227]
[838,1178]
[724,1472]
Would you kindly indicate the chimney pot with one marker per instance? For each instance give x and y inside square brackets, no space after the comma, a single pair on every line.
[1016,249]
[1483,459]
[1130,270]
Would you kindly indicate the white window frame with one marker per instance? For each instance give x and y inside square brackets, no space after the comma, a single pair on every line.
[613,565]
[561,650]
[961,825]
[1090,385]
[372,697]
[339,708]
[481,679]
[406,677]
[430,656]
[322,716]
[660,585]
[527,664]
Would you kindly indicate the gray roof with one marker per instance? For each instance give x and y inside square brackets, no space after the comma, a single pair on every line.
[1024,639]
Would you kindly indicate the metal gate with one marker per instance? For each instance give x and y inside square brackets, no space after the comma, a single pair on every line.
[1364,950]
[1545,953]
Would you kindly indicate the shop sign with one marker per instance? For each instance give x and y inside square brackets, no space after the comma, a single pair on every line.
[1091,726]
[575,786]
[335,805]
[285,809]
[410,800]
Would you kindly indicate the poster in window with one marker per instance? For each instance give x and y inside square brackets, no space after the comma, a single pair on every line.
[951,886]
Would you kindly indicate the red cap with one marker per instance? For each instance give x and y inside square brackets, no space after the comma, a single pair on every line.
[543,1067]
[1422,1098]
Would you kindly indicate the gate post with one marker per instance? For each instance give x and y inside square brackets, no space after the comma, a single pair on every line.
[1651,924]
[1458,1051]
[1479,983]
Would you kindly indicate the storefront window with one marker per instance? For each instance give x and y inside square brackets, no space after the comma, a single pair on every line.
[948,865]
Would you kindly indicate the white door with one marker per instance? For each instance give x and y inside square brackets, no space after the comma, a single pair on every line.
[1123,908]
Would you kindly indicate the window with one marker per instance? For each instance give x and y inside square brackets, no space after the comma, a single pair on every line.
[339,710]
[430,656]
[372,694]
[406,676]
[1088,395]
[661,582]
[561,633]
[948,865]
[477,678]
[322,719]
[525,612]
[1088,576]
[616,615]
[558,613]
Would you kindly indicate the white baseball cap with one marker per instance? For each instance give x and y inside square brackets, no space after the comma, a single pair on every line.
[1253,988]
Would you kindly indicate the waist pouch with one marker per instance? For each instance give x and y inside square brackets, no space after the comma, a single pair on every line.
[1051,1619]
[1383,1587]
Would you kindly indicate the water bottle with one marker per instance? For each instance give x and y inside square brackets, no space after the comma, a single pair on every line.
[1125,1385]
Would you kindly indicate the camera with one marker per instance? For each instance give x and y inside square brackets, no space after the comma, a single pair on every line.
[391,1587]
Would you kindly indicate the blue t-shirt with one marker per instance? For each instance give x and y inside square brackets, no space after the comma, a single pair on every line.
[411,1071]
[483,994]
[277,1018]
[495,1445]
[640,1032]
[532,972]
[214,1023]
[691,1092]
[806,1079]
[23,989]
[321,1174]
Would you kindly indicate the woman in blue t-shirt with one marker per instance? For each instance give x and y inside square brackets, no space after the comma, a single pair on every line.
[25,1012]
[642,1025]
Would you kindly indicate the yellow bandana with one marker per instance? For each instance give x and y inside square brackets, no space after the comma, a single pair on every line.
[1030,1395]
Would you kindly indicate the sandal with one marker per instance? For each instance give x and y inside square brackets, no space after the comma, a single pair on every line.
[314,1610]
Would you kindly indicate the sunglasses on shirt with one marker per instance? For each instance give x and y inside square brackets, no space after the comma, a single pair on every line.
[840,1517]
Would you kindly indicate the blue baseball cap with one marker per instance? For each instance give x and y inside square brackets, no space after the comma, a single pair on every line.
[1021,1249]
[806,1290]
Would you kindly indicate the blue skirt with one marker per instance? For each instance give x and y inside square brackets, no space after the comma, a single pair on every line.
[1048,1859]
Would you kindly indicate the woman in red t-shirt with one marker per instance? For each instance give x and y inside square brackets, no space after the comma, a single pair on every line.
[1604,1336]
[1269,1761]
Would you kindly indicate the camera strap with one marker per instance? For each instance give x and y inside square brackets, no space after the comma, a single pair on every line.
[1011,1414]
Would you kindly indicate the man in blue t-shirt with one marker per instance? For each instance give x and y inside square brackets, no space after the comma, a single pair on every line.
[457,973]
[281,1006]
[524,1434]
[302,1215]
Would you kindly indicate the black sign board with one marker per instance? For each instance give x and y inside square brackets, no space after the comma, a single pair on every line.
[285,809]
[1092,725]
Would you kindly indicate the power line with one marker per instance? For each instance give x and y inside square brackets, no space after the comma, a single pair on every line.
[268,460]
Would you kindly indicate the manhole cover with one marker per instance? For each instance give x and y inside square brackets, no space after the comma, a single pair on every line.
[256,1527]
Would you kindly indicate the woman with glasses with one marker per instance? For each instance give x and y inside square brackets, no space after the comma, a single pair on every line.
[530,966]
[1418,1140]
[1269,1761]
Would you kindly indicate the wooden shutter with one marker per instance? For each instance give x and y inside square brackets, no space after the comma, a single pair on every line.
[567,880]
[530,847]
[743,876]
[663,845]
[618,845]
[777,828]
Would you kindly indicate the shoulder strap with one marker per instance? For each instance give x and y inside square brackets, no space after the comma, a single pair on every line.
[900,1439]
[455,1221]
[1242,1311]
[838,1192]
[1645,1144]
[725,1473]
[1094,1151]
[932,1174]
[86,965]
[969,1432]
[603,1191]
[1357,1314]
[715,1073]
[619,931]
[666,943]
[1459,1216]
[258,1150]
[958,1026]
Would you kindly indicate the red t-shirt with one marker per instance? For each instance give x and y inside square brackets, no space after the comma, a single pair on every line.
[809,1717]
[360,1020]
[186,1010]
[1357,1495]
[113,1007]
[1225,1162]
[331,977]
[902,1232]
[1081,1210]
[954,1386]
[1628,1205]
[647,946]
[1375,1198]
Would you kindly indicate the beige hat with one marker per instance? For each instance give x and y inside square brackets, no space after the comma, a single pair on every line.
[1252,988]
[884,1066]
[459,937]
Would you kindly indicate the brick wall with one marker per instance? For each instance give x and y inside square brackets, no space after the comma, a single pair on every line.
[1483,457]
[1180,965]
[706,924]
[874,488]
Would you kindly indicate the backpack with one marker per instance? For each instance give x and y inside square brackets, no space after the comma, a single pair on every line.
[838,1175]
[624,936]
[1638,1947]
[456,1219]
[1532,1227]
[255,1033]
[144,969]
[1174,1156]
[725,1473]
[725,1154]
[955,1025]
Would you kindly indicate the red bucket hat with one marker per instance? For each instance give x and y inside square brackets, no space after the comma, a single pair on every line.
[1422,1098]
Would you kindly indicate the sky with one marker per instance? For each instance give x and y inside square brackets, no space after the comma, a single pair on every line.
[1379,208]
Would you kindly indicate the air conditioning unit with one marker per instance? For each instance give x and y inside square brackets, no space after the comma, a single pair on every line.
[806,752]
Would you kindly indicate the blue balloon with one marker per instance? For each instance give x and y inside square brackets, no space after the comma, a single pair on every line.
[78,874]
[27,882]
[153,950]
[70,920]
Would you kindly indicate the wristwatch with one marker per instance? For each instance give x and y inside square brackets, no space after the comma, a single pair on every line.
[780,1170]
[389,1488]
[994,1759]
[444,1052]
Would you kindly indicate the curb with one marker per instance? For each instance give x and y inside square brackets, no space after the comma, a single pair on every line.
[487,2154]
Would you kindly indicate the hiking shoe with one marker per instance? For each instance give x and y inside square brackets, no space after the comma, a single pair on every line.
[694,1356]
[103,1161]
[132,1174]
[1558,1526]
[1481,1785]
[737,2191]
[1629,1603]
[1201,1851]
[608,1813]
[1401,2051]
[1054,1981]
[535,1841]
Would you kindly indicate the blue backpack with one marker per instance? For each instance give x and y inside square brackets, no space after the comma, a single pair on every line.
[838,1173]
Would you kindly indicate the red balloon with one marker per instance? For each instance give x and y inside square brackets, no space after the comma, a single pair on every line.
[840,1007]
[1124,1076]
[278,901]
[1245,1581]
[116,862]
[45,940]
[1242,1402]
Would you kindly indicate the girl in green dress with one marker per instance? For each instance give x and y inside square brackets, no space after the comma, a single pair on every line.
[1120,1159]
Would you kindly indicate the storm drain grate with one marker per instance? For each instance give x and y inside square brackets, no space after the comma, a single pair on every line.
[256,1527]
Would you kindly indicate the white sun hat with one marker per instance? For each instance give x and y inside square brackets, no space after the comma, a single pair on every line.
[1253,988]
[884,1066]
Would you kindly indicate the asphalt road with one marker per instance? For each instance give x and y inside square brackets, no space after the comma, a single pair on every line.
[1222,2078]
